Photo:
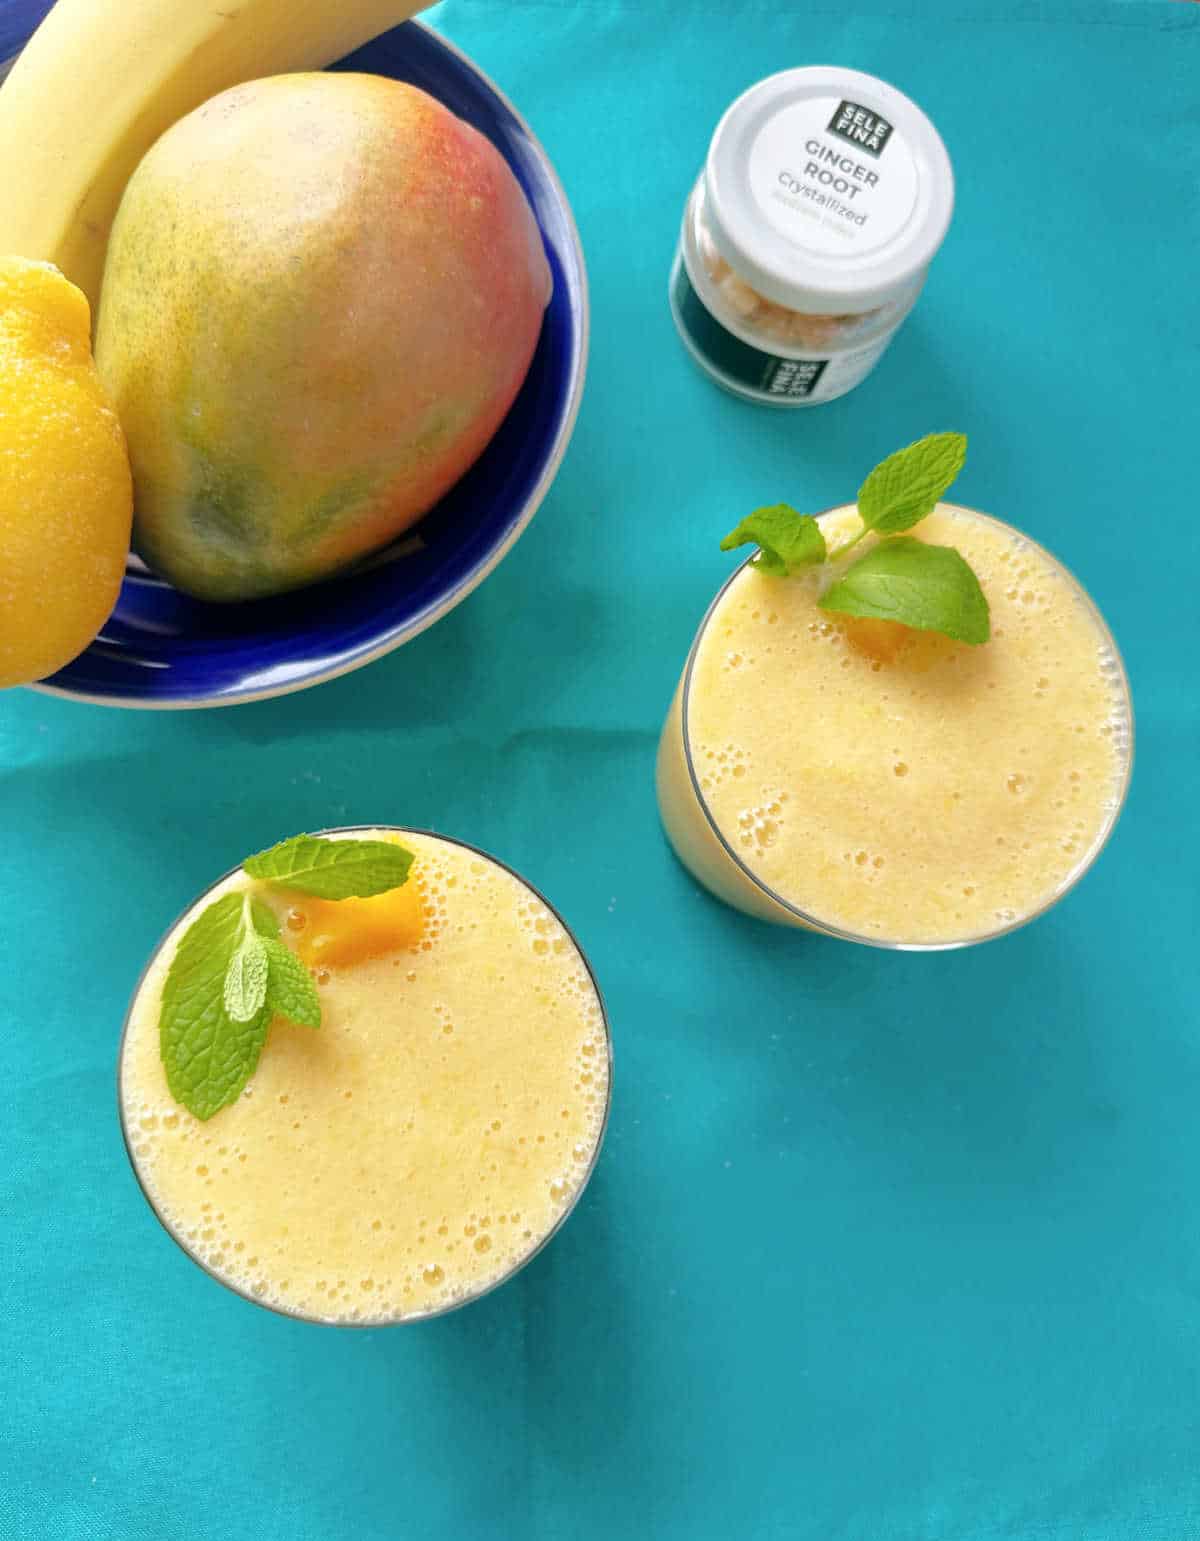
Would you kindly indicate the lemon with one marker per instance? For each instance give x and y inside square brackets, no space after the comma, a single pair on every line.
[66,497]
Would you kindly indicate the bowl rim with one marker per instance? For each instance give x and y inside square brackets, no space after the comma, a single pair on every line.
[435,612]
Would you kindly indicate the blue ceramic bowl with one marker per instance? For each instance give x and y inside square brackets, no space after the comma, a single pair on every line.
[163,649]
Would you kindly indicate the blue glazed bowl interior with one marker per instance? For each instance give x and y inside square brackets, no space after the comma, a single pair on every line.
[161,648]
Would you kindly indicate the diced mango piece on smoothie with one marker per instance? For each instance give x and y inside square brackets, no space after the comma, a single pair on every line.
[334,933]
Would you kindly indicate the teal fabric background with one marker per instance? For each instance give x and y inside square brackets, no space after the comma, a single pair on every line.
[880,1248]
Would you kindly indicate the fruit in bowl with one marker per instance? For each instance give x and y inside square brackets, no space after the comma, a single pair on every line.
[96,85]
[321,296]
[161,648]
[65,493]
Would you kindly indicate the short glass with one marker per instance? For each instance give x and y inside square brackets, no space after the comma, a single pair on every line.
[710,856]
[536,1243]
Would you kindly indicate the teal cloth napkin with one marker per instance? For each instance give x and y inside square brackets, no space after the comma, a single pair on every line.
[881,1248]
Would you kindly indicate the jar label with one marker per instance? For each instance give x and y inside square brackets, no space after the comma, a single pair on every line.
[767,376]
[833,176]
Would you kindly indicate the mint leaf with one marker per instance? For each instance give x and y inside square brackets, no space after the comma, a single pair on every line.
[290,989]
[902,489]
[786,540]
[263,918]
[333,869]
[928,587]
[207,1055]
[245,987]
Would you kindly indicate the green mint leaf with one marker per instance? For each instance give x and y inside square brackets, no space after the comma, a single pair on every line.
[208,1057]
[290,989]
[333,869]
[263,918]
[902,489]
[928,587]
[786,540]
[245,987]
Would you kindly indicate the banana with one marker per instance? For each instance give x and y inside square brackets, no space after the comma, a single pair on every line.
[98,83]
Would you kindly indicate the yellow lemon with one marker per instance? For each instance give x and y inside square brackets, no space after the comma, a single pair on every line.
[66,498]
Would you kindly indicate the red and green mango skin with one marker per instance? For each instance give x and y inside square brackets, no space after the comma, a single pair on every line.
[322,294]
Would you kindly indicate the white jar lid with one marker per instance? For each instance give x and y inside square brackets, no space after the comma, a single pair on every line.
[827,190]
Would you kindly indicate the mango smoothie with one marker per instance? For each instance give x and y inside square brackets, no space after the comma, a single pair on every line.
[423,1142]
[891,786]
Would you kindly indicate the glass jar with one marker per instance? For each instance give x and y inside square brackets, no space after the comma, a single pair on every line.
[807,237]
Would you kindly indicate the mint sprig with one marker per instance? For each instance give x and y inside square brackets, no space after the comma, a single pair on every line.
[231,973]
[930,588]
[333,869]
[786,540]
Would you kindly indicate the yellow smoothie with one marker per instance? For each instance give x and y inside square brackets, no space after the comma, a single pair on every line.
[421,1143]
[894,786]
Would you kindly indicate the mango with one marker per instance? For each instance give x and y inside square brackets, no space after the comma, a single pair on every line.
[321,295]
[65,492]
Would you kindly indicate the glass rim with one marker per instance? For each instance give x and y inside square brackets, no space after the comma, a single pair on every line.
[828,928]
[522,1262]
